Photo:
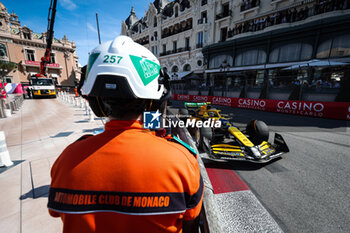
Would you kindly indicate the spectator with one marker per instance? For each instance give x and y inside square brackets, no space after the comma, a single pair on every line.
[3,97]
[268,21]
[335,84]
[306,12]
[29,92]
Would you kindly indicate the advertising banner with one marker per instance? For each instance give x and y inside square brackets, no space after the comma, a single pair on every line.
[333,110]
[37,63]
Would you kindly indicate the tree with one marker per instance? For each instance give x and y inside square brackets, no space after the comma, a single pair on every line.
[6,67]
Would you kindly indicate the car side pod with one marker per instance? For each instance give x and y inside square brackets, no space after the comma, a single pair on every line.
[280,144]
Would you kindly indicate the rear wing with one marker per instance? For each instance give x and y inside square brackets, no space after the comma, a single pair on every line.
[196,105]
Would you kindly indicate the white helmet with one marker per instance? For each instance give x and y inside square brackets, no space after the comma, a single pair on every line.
[122,69]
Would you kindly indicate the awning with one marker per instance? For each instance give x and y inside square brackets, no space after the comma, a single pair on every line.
[316,63]
[258,67]
[193,77]
[178,75]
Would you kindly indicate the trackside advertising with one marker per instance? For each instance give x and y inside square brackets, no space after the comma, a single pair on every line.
[333,110]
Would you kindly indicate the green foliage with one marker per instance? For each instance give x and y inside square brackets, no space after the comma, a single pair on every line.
[7,65]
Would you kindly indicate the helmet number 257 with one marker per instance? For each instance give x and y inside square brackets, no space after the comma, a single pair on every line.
[111,59]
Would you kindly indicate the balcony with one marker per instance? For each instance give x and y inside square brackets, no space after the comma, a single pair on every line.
[199,46]
[249,5]
[173,30]
[143,41]
[202,21]
[174,51]
[223,15]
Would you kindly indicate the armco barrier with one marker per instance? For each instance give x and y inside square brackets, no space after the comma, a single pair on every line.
[333,110]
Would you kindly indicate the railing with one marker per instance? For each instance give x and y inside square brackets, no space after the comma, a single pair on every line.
[13,104]
[179,50]
[176,31]
[249,4]
[290,15]
[202,21]
[199,46]
[223,14]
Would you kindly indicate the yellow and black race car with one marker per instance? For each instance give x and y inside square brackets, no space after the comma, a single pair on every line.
[226,141]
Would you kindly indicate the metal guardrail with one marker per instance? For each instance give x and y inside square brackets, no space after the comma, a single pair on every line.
[13,103]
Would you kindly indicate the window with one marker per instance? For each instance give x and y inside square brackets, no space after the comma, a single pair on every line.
[294,51]
[154,50]
[30,55]
[8,79]
[187,43]
[175,69]
[52,58]
[187,67]
[155,36]
[218,60]
[223,34]
[204,2]
[225,9]
[174,46]
[176,11]
[164,48]
[250,57]
[3,52]
[200,40]
[155,21]
[324,48]
[204,16]
[26,35]
[341,46]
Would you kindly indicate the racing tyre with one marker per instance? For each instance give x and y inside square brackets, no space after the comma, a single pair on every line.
[257,131]
[205,133]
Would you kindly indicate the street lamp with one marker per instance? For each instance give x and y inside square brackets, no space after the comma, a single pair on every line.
[224,67]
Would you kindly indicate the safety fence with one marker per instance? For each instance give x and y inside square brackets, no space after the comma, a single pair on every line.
[333,110]
[76,101]
[9,105]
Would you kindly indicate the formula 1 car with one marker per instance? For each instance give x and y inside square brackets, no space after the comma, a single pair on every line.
[228,142]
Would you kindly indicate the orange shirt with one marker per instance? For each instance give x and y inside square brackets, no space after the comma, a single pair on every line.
[125,179]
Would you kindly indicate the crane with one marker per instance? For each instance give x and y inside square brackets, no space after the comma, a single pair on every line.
[42,86]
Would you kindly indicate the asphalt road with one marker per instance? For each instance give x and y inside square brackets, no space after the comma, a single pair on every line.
[308,189]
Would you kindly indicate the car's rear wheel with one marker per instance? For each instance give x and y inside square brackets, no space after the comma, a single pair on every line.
[257,131]
[205,132]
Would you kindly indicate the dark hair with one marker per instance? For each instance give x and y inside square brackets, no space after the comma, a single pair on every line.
[124,108]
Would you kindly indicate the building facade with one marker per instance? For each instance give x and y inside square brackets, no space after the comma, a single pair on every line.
[175,31]
[19,44]
[248,48]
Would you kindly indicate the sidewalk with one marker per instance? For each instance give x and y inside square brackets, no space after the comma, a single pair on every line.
[35,136]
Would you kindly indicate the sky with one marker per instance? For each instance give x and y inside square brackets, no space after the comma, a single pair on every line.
[77,19]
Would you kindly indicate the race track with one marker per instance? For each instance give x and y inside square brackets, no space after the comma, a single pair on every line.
[308,189]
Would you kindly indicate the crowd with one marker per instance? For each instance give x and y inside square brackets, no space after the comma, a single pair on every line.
[247,4]
[286,16]
[316,83]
